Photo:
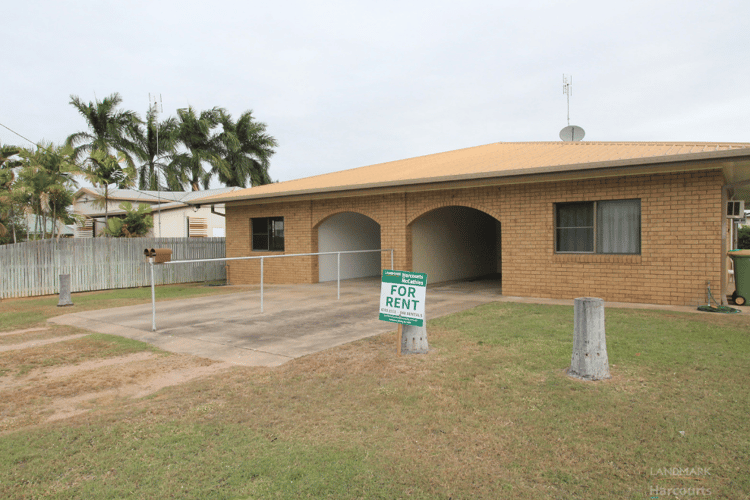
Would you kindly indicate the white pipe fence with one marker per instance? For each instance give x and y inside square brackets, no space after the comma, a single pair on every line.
[262,258]
[33,268]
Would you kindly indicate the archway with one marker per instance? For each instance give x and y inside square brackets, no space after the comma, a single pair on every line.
[454,243]
[348,231]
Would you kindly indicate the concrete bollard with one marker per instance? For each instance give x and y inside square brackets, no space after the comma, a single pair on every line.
[589,360]
[64,291]
[414,340]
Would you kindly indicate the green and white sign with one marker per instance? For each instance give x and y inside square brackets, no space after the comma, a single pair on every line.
[402,297]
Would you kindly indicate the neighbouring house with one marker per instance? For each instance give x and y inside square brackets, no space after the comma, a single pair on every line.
[36,227]
[625,221]
[174,215]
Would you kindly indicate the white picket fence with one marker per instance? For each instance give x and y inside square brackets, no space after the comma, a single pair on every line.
[34,268]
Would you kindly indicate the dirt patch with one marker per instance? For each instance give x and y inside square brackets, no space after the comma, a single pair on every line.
[40,342]
[134,384]
[61,377]
[26,330]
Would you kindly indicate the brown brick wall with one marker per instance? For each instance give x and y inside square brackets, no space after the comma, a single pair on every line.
[680,236]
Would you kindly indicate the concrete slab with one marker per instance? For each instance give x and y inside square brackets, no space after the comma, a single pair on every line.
[297,320]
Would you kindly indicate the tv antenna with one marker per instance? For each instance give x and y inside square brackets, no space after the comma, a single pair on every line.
[155,106]
[571,132]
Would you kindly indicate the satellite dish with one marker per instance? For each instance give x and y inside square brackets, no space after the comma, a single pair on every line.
[572,133]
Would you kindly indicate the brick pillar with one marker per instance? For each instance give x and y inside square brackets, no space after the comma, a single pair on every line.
[395,234]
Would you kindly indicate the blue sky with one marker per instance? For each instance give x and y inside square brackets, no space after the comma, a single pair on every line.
[346,84]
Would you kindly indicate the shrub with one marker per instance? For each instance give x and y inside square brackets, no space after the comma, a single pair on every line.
[743,237]
[136,222]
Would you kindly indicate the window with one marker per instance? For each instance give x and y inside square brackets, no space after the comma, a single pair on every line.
[607,227]
[268,233]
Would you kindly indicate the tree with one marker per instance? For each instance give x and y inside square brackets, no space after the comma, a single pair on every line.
[46,180]
[9,216]
[153,145]
[194,134]
[104,170]
[246,151]
[108,128]
[136,222]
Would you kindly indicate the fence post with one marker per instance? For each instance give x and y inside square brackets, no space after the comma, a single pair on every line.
[391,258]
[64,291]
[261,284]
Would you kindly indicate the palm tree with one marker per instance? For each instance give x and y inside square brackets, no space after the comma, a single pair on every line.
[104,170]
[108,128]
[47,178]
[194,134]
[153,146]
[246,151]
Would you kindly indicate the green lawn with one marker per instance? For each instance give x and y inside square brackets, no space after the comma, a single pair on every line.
[488,413]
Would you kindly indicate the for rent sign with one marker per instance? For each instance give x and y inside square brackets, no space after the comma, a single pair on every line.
[402,296]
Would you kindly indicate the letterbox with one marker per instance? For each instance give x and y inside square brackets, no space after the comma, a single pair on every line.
[160,255]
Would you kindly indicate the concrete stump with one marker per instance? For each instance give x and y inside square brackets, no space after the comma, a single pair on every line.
[589,360]
[414,340]
[64,291]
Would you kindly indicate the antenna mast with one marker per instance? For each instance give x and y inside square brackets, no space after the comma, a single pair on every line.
[571,132]
[155,107]
[568,91]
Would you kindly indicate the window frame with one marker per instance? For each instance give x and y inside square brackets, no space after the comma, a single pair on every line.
[271,238]
[596,228]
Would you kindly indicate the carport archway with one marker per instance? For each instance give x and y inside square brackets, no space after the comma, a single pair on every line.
[454,243]
[348,231]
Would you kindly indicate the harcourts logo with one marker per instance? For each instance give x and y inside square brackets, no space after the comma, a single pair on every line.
[658,491]
[661,491]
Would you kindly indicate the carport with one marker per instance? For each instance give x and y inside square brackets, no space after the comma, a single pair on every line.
[456,243]
[348,231]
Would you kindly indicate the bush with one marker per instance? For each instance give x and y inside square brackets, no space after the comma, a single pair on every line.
[135,223]
[743,238]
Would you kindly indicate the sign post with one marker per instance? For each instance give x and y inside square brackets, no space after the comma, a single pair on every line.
[402,301]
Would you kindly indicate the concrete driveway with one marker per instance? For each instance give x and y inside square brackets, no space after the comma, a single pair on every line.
[298,319]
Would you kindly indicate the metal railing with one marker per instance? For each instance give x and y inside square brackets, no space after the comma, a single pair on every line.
[261,258]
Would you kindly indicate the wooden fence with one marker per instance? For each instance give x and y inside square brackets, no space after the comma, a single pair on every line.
[33,268]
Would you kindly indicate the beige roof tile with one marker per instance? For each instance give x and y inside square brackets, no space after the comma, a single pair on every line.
[492,160]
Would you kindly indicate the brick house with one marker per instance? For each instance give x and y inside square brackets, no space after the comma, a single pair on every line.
[631,222]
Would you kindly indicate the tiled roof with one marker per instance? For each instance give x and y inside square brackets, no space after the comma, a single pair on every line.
[156,196]
[495,160]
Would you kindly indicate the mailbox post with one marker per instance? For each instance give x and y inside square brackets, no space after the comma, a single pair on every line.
[155,256]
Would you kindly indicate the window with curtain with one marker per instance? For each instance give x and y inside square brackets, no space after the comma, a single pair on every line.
[605,227]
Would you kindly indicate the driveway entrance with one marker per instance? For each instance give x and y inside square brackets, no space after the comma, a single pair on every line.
[298,319]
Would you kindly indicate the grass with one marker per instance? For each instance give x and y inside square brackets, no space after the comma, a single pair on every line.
[488,413]
[67,352]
